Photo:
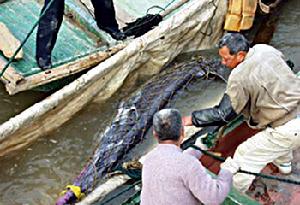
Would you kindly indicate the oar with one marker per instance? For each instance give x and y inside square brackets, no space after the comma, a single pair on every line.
[144,24]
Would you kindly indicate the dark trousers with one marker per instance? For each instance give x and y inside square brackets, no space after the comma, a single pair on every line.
[50,23]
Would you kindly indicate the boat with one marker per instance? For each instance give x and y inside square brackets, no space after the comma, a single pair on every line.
[80,45]
[188,27]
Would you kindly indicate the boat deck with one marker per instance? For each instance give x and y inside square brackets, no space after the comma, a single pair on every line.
[19,17]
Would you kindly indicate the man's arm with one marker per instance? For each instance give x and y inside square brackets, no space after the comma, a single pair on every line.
[205,188]
[216,116]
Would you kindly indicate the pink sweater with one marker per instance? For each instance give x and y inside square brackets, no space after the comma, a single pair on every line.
[170,176]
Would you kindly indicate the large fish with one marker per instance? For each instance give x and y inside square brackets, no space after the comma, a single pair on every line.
[132,122]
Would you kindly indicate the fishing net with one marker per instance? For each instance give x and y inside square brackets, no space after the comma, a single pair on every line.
[134,118]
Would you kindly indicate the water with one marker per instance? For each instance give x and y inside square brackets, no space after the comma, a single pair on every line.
[13,105]
[37,174]
[287,36]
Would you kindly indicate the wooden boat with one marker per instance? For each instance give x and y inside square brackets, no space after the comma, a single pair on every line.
[80,46]
[188,27]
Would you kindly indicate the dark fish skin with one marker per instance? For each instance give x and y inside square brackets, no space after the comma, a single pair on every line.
[134,119]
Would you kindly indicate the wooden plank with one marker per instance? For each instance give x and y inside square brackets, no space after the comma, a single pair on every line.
[10,75]
[65,70]
[9,43]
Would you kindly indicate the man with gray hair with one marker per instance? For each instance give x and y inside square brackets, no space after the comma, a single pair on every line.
[263,88]
[171,176]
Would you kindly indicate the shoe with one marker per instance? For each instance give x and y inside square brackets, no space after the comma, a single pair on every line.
[284,168]
[44,63]
[114,33]
[118,35]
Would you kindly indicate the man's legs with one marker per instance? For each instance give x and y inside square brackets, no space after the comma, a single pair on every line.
[264,147]
[292,130]
[105,16]
[47,32]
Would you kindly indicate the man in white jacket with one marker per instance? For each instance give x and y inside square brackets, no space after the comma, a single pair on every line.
[263,88]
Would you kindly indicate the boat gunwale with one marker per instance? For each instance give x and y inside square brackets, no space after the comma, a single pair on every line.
[14,82]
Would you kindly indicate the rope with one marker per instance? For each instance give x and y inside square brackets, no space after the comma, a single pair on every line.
[25,39]
[171,2]
[161,8]
[148,21]
[289,181]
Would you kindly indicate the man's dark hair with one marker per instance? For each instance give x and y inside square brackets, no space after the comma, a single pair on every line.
[167,124]
[235,42]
